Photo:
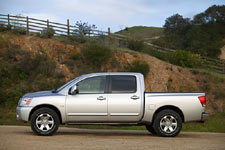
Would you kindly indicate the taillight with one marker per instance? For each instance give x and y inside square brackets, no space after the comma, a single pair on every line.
[202,100]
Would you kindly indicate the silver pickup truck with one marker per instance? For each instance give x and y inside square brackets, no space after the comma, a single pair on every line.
[111,99]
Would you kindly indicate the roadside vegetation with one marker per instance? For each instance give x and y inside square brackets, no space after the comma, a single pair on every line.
[203,35]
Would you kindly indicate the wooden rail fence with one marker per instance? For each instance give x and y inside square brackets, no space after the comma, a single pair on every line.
[37,25]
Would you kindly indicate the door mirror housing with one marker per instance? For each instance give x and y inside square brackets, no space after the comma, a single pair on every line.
[73,90]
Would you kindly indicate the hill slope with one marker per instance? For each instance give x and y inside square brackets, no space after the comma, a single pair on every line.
[52,65]
[142,32]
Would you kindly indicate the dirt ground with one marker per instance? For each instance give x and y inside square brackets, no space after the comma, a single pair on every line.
[22,138]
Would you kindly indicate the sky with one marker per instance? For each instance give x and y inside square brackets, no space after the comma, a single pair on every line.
[116,14]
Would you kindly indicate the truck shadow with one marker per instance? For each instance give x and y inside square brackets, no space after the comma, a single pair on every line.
[108,132]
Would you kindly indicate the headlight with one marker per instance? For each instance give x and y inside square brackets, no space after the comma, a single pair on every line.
[25,101]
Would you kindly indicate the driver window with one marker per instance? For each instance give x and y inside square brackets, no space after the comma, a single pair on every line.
[92,85]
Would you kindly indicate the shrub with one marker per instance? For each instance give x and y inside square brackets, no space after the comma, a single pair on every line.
[136,45]
[115,63]
[80,38]
[219,94]
[48,32]
[74,55]
[185,59]
[21,72]
[43,64]
[19,30]
[137,66]
[2,27]
[96,54]
[154,52]
[84,27]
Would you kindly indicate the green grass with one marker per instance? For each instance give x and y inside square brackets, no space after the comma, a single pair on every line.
[142,32]
[8,116]
[216,123]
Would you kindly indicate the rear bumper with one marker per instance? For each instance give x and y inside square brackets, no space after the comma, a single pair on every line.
[22,113]
[205,116]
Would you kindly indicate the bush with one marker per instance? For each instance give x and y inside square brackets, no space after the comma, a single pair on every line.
[136,45]
[96,54]
[185,59]
[21,73]
[137,66]
[2,27]
[48,32]
[219,94]
[74,55]
[154,52]
[80,38]
[19,30]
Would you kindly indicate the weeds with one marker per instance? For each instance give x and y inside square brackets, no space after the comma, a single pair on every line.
[74,55]
[47,33]
[136,45]
[137,66]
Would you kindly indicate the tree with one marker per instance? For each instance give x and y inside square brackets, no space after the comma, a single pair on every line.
[175,29]
[214,14]
[176,24]
[203,35]
[84,27]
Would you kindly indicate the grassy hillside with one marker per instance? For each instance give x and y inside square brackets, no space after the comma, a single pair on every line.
[31,63]
[142,32]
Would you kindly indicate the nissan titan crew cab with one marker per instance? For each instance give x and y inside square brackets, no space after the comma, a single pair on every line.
[111,99]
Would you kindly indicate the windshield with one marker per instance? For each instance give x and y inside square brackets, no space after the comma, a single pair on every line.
[65,85]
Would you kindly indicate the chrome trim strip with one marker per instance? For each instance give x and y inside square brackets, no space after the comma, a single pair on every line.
[124,114]
[87,114]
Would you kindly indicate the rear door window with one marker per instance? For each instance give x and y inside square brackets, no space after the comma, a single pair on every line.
[123,84]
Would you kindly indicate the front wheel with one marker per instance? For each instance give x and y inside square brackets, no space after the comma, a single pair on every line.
[167,123]
[44,121]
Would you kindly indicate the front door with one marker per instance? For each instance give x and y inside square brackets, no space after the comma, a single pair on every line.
[90,103]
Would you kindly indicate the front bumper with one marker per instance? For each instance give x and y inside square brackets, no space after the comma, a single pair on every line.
[205,116]
[22,113]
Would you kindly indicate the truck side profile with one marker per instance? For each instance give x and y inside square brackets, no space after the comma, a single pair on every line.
[110,98]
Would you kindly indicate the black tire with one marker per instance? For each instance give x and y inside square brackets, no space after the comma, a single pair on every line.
[45,112]
[150,129]
[169,128]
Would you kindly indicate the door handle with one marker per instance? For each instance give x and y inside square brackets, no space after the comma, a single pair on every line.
[134,97]
[101,98]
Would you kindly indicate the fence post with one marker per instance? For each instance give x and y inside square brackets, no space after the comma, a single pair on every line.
[223,67]
[109,31]
[8,20]
[89,32]
[27,25]
[68,27]
[47,24]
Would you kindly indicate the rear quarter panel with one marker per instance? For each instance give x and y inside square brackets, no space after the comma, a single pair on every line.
[188,103]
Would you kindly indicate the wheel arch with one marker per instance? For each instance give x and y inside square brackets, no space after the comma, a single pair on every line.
[171,107]
[47,106]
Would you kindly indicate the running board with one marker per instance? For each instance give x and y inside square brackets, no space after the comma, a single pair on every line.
[110,124]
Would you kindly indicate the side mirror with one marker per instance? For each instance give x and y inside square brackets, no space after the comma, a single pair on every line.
[73,90]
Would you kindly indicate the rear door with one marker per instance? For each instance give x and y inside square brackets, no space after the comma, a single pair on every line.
[124,98]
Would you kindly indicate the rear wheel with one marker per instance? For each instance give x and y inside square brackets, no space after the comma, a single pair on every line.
[44,121]
[150,129]
[167,123]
